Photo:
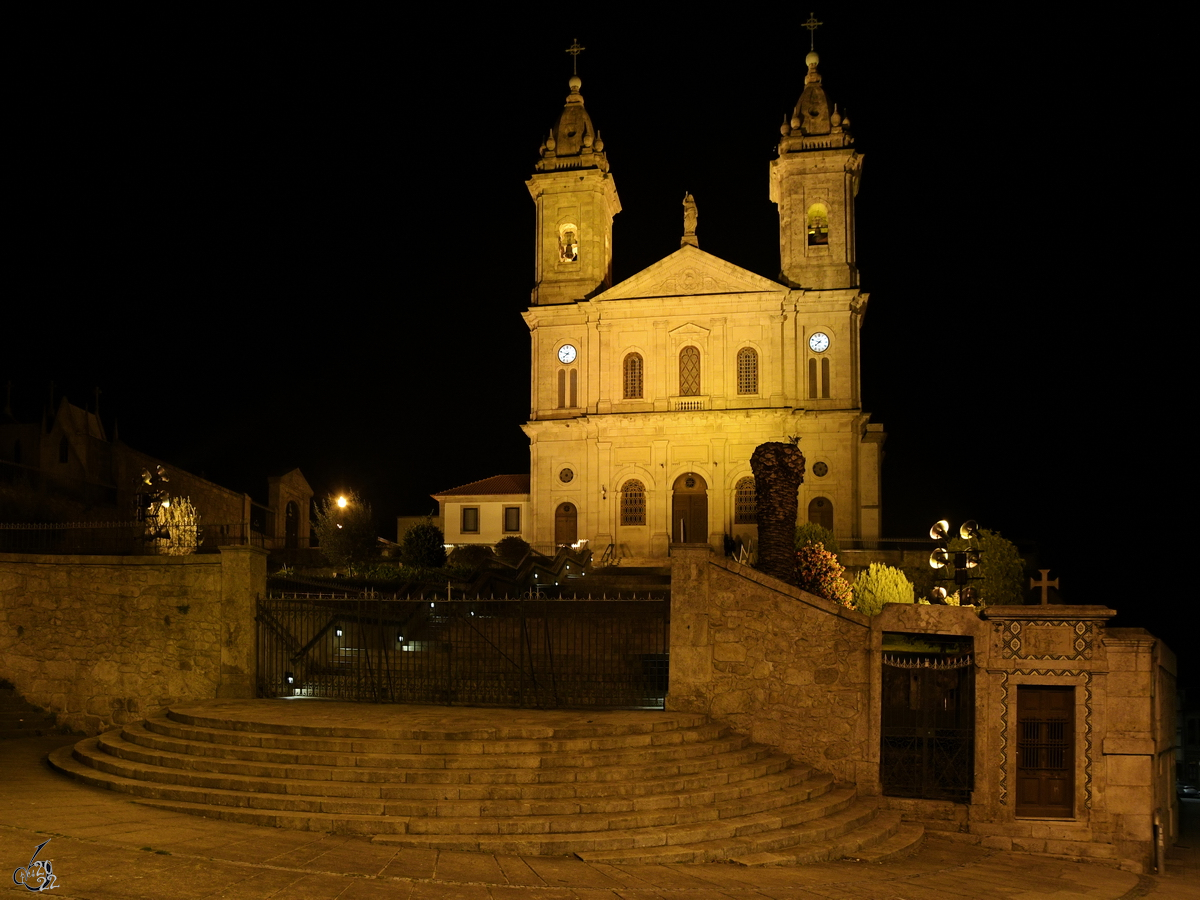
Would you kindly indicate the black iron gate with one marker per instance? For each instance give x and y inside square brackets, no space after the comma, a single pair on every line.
[522,653]
[928,726]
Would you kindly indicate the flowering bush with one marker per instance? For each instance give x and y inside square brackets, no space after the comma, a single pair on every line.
[818,572]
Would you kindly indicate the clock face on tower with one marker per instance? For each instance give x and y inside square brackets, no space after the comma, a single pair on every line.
[566,353]
[819,342]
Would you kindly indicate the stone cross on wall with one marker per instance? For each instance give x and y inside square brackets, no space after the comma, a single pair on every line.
[1045,584]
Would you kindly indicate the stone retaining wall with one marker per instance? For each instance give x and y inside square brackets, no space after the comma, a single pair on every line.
[786,667]
[101,641]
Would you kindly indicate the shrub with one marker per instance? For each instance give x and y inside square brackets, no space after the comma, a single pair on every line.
[808,533]
[469,556]
[879,584]
[818,572]
[423,547]
[512,549]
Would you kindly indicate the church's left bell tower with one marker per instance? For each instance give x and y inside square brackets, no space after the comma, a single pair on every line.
[576,200]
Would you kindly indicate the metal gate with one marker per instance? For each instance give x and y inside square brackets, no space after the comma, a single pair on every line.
[521,653]
[928,727]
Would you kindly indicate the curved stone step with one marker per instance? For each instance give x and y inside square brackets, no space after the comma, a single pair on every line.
[135,761]
[454,754]
[433,817]
[662,789]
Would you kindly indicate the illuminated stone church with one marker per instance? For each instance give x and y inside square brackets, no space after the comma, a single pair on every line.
[649,396]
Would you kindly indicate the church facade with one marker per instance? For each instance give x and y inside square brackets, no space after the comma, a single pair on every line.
[648,397]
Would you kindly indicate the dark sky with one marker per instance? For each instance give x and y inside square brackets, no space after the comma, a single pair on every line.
[308,242]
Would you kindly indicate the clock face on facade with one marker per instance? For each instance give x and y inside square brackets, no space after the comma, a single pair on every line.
[819,342]
[566,353]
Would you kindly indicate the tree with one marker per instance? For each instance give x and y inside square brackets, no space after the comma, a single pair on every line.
[818,572]
[812,533]
[999,579]
[346,530]
[423,547]
[879,584]
[778,473]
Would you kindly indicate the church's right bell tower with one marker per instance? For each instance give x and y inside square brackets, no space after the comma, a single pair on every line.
[576,200]
[814,182]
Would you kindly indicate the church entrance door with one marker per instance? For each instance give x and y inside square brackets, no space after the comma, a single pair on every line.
[928,729]
[689,510]
[566,524]
[1045,750]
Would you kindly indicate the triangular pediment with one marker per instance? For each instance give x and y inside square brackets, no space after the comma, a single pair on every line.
[691,329]
[688,272]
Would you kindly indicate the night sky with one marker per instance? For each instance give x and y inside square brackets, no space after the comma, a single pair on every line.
[281,243]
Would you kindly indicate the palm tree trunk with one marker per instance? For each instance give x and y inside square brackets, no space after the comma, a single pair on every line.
[778,473]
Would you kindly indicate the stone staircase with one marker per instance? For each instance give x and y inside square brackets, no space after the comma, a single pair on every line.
[617,788]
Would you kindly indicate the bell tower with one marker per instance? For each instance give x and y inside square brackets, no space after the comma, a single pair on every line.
[576,200]
[814,181]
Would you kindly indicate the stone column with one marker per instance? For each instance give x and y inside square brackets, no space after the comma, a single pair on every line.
[691,653]
[243,581]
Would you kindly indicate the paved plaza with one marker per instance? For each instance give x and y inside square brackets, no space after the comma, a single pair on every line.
[102,845]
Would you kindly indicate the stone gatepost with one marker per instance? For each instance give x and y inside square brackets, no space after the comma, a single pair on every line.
[243,581]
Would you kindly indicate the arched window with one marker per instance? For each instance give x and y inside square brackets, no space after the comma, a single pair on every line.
[689,372]
[633,376]
[825,378]
[818,225]
[812,379]
[745,502]
[820,512]
[747,371]
[574,388]
[633,503]
[562,388]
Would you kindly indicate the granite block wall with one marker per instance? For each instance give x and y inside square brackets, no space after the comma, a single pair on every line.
[102,641]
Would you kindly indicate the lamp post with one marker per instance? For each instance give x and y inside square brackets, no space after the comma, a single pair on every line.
[963,560]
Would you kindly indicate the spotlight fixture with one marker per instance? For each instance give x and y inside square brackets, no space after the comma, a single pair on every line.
[962,560]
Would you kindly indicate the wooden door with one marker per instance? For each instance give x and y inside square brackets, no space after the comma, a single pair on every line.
[1045,751]
[566,524]
[689,510]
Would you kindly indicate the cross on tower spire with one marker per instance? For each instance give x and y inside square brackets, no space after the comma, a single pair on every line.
[575,49]
[811,25]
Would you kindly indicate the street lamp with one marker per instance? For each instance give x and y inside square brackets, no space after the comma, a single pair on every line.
[963,560]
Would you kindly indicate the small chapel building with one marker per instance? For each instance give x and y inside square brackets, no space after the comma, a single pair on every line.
[649,396]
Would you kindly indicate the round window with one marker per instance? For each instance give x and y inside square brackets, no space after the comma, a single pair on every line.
[565,476]
[820,469]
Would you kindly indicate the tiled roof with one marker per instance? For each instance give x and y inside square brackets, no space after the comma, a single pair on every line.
[497,484]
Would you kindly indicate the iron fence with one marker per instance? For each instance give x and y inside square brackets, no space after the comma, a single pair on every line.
[539,652]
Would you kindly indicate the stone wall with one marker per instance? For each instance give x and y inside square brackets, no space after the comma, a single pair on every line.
[101,641]
[787,668]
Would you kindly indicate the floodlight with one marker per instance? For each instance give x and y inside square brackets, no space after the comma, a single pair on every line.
[938,595]
[940,530]
[938,558]
[969,529]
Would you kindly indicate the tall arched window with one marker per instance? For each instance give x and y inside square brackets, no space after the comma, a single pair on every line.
[633,503]
[812,379]
[820,511]
[562,388]
[633,376]
[689,372]
[818,225]
[745,502]
[825,378]
[747,371]
[574,388]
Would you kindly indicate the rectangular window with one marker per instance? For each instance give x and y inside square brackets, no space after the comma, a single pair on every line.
[470,520]
[512,518]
